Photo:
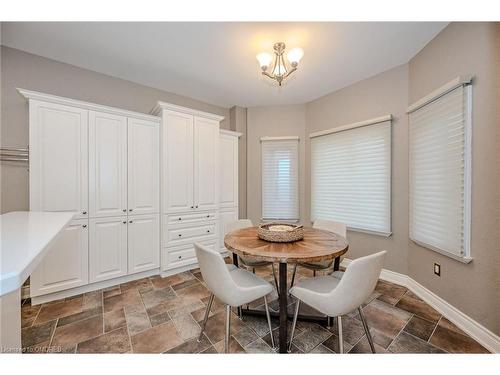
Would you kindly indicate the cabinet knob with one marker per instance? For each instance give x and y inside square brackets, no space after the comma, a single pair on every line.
[180,218]
[130,221]
[124,222]
[196,206]
[208,231]
[192,206]
[124,210]
[84,213]
[84,225]
[179,257]
[208,215]
[130,210]
[180,235]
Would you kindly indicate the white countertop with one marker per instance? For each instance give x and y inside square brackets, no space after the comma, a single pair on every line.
[24,238]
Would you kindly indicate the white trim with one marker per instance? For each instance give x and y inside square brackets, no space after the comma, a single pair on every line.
[463,259]
[359,124]
[478,332]
[284,138]
[35,95]
[367,231]
[468,174]
[91,287]
[177,108]
[446,88]
[230,133]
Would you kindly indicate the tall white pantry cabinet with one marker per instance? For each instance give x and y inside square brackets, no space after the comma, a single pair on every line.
[101,163]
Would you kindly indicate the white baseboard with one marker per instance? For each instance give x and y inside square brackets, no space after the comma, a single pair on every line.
[481,334]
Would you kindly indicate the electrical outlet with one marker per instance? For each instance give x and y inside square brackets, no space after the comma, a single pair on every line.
[437,269]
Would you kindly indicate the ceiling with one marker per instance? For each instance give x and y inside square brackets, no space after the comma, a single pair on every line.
[215,62]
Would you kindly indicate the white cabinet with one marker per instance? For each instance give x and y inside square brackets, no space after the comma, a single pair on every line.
[228,169]
[107,164]
[108,248]
[143,167]
[177,162]
[226,216]
[66,264]
[143,243]
[206,144]
[58,158]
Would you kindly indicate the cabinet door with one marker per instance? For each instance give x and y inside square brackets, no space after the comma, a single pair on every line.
[65,264]
[143,167]
[58,158]
[178,162]
[143,243]
[228,161]
[107,248]
[107,164]
[226,217]
[206,141]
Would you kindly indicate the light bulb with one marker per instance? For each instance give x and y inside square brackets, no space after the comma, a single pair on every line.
[294,55]
[279,69]
[264,59]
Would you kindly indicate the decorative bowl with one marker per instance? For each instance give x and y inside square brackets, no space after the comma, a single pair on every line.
[280,232]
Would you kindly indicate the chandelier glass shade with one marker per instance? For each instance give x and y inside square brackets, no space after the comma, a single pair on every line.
[279,70]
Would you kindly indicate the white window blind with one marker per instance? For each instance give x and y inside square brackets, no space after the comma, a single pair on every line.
[440,173]
[280,178]
[351,176]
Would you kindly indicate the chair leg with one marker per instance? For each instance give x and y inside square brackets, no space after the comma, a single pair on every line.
[328,322]
[269,322]
[228,329]
[341,337]
[314,273]
[207,313]
[367,330]
[275,279]
[293,275]
[294,324]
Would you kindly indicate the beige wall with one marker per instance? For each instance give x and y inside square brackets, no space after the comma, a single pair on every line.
[273,121]
[24,70]
[238,117]
[383,94]
[467,48]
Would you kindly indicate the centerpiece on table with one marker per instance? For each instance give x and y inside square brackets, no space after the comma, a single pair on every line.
[280,232]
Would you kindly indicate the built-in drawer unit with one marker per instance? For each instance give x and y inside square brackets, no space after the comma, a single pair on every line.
[194,217]
[178,235]
[183,255]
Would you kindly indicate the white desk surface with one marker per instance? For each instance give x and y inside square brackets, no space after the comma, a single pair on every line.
[24,238]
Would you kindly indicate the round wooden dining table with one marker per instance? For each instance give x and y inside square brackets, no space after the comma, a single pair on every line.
[317,245]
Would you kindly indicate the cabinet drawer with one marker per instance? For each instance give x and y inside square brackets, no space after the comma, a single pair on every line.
[179,235]
[182,255]
[194,217]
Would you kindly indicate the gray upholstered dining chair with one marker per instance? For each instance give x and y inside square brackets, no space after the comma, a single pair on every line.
[331,226]
[252,264]
[341,293]
[233,286]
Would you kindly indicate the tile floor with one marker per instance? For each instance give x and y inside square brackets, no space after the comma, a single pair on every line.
[163,315]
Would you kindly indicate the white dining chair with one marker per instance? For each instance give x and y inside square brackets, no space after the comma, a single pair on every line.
[339,294]
[330,226]
[250,263]
[233,286]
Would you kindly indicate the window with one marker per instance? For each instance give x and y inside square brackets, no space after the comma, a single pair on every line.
[351,175]
[440,171]
[280,178]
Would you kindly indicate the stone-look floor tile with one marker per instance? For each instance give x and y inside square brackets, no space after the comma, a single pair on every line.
[185,284]
[245,336]
[321,349]
[29,314]
[198,291]
[187,309]
[158,339]
[210,350]
[157,296]
[310,338]
[388,299]
[419,308]
[70,349]
[390,290]
[76,332]
[159,319]
[37,334]
[171,304]
[410,294]
[454,342]
[352,329]
[217,305]
[141,285]
[58,310]
[137,321]
[164,282]
[383,321]
[116,341]
[92,300]
[406,343]
[129,297]
[215,328]
[390,309]
[234,347]
[79,316]
[380,339]
[186,326]
[199,314]
[259,324]
[363,347]
[192,346]
[110,292]
[445,323]
[114,319]
[332,344]
[276,333]
[420,328]
[259,347]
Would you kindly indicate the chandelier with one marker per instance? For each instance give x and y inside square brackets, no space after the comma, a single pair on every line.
[279,71]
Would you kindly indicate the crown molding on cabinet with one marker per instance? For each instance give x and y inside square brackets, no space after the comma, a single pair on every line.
[35,95]
[230,133]
[177,108]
